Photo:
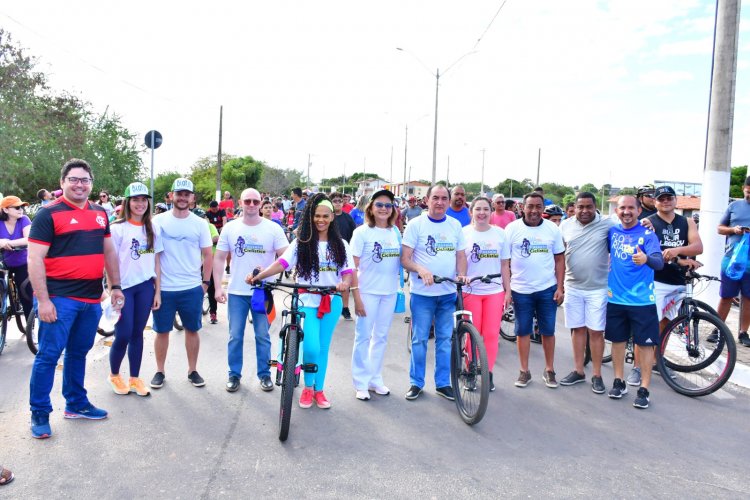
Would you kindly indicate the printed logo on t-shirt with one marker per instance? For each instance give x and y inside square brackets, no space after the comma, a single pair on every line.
[137,249]
[478,253]
[529,247]
[623,247]
[670,237]
[100,220]
[437,244]
[379,253]
[241,246]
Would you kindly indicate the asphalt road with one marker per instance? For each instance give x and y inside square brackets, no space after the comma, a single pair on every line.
[186,442]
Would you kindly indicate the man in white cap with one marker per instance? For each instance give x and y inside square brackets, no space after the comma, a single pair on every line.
[187,244]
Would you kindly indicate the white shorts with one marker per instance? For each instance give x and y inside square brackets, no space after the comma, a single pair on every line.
[585,308]
[668,299]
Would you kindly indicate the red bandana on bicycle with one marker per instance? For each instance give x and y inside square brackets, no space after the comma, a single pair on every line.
[325,302]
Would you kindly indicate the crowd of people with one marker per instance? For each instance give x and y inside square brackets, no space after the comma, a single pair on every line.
[615,277]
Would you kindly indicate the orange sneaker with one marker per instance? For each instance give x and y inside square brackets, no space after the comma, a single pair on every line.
[321,400]
[306,399]
[137,386]
[118,384]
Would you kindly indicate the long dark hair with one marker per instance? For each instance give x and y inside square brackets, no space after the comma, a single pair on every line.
[125,215]
[308,263]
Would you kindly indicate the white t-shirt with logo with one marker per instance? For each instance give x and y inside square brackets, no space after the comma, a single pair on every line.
[484,251]
[250,247]
[181,259]
[137,260]
[379,255]
[329,274]
[532,255]
[435,244]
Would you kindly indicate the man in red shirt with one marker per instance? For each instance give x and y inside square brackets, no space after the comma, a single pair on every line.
[227,204]
[501,217]
[347,207]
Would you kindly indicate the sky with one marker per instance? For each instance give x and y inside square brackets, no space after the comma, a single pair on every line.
[611,91]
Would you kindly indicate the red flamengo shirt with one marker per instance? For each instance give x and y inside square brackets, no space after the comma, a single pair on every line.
[75,260]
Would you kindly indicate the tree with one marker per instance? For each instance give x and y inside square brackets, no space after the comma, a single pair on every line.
[163,184]
[512,188]
[737,180]
[237,173]
[556,192]
[590,188]
[41,129]
[280,181]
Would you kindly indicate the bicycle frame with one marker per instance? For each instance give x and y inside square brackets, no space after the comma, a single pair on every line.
[290,318]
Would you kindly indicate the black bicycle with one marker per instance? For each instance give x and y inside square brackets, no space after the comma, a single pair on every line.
[470,375]
[287,363]
[508,328]
[10,301]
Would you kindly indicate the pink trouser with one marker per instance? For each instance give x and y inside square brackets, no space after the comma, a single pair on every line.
[487,311]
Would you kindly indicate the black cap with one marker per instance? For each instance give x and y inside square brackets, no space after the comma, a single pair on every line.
[662,190]
[383,192]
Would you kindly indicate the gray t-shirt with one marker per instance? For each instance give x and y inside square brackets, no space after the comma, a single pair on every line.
[410,213]
[737,214]
[586,253]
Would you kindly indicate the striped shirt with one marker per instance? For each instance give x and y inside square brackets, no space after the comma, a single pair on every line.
[75,260]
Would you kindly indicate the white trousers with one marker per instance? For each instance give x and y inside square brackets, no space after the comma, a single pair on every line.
[370,338]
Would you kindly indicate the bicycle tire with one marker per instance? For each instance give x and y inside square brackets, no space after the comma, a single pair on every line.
[705,307]
[692,369]
[32,332]
[177,323]
[409,336]
[470,375]
[3,330]
[206,304]
[607,357]
[508,324]
[15,308]
[287,379]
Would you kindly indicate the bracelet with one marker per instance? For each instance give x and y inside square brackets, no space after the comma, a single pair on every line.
[116,287]
[207,282]
[353,288]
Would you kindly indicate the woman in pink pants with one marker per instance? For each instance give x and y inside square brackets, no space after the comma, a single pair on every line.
[486,253]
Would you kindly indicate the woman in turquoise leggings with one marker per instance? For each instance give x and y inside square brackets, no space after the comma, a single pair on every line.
[319,256]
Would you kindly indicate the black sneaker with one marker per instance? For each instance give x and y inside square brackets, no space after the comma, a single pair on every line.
[196,379]
[266,384]
[346,314]
[158,381]
[641,400]
[744,339]
[446,392]
[713,337]
[573,378]
[413,393]
[232,384]
[597,385]
[619,389]
[492,383]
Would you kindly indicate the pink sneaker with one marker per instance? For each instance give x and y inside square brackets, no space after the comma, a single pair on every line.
[306,399]
[321,400]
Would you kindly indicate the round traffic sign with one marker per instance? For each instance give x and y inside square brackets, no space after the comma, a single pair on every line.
[153,139]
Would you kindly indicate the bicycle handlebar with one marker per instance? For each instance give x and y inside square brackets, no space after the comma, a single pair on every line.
[297,286]
[484,279]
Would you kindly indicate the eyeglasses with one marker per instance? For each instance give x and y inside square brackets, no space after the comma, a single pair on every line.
[665,197]
[648,195]
[102,196]
[251,202]
[384,205]
[80,180]
[20,207]
[337,200]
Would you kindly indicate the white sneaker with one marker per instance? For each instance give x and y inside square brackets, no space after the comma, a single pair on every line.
[380,389]
[363,395]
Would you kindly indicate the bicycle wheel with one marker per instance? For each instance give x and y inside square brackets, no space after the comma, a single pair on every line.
[470,376]
[3,330]
[32,332]
[178,322]
[205,304]
[689,364]
[289,364]
[409,335]
[508,324]
[15,308]
[705,307]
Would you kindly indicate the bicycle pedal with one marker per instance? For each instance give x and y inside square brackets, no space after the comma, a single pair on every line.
[272,362]
[310,368]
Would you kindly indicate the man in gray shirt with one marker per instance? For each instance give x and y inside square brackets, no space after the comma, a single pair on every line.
[412,211]
[586,263]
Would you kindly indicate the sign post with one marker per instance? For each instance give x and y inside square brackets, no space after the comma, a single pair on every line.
[153,140]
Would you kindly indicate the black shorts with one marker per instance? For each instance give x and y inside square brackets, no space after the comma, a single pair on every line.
[640,321]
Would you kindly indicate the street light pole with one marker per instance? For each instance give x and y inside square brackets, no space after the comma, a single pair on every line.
[434,140]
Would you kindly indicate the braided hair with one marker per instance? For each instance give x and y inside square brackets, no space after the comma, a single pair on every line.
[308,263]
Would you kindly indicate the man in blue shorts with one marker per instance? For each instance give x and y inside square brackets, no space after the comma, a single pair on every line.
[187,244]
[634,255]
[537,265]
[733,224]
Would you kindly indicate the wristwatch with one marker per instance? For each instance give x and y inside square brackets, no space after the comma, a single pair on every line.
[116,287]
[207,283]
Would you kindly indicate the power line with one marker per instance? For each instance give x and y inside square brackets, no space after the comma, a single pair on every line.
[490,25]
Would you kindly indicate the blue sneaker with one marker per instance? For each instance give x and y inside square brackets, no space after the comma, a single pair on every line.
[40,428]
[89,412]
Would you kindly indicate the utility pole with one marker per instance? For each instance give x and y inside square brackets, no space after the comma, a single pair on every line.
[718,154]
[538,165]
[448,172]
[390,176]
[218,156]
[481,185]
[406,143]
[309,184]
[434,140]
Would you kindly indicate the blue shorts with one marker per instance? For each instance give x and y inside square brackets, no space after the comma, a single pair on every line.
[188,303]
[541,303]
[640,321]
[730,288]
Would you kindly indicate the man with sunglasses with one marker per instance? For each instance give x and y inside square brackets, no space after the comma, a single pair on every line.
[645,196]
[346,226]
[69,249]
[254,242]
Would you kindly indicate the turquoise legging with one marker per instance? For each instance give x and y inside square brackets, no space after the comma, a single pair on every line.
[317,341]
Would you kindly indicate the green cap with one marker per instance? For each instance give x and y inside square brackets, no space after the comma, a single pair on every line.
[136,189]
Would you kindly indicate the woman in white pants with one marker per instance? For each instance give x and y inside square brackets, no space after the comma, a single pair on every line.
[376,247]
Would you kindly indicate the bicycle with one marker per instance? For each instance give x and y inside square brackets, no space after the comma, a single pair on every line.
[291,339]
[177,323]
[470,375]
[10,301]
[689,363]
[507,326]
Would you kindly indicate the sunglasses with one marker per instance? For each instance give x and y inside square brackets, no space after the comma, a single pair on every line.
[665,197]
[337,200]
[20,207]
[251,202]
[384,205]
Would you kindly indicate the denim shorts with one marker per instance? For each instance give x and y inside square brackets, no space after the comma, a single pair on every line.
[541,303]
[188,303]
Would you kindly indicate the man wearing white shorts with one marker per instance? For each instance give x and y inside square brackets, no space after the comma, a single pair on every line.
[585,305]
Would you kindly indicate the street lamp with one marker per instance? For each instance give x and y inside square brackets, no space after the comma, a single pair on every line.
[437,87]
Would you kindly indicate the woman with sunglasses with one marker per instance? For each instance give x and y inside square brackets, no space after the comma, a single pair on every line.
[377,255]
[104,202]
[319,256]
[137,241]
[14,231]
[486,253]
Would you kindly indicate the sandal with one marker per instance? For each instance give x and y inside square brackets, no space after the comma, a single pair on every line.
[6,476]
